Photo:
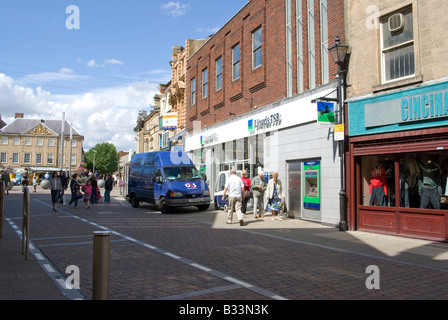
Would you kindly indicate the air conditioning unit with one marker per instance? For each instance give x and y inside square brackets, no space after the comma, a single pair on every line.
[396,22]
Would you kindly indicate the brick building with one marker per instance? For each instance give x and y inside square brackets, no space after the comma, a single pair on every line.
[250,93]
[398,117]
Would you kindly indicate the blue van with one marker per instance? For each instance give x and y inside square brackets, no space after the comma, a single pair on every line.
[167,179]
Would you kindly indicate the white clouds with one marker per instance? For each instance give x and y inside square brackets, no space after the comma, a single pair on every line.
[101,115]
[92,63]
[175,9]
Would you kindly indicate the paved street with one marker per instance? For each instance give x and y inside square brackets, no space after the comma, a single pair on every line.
[195,255]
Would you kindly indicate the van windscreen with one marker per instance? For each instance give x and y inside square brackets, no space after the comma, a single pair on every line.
[181,173]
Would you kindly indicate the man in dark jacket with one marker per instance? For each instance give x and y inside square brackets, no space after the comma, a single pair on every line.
[108,188]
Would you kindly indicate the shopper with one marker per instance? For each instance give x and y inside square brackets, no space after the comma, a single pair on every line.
[247,190]
[87,192]
[75,189]
[275,196]
[56,188]
[259,185]
[108,188]
[235,186]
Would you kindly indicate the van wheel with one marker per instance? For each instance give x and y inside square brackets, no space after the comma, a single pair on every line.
[203,207]
[163,207]
[134,202]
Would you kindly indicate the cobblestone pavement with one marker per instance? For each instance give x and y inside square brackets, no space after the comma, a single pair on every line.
[193,255]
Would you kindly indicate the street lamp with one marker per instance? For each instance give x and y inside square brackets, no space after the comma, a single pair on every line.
[339,52]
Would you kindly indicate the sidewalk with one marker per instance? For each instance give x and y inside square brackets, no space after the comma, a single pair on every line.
[22,279]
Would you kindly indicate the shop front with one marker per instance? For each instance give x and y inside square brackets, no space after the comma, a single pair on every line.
[285,138]
[398,162]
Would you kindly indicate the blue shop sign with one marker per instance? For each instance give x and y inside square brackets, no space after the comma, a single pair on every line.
[417,108]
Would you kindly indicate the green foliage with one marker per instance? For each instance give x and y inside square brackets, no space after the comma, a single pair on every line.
[106,158]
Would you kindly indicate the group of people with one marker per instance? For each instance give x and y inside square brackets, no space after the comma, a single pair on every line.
[82,186]
[240,190]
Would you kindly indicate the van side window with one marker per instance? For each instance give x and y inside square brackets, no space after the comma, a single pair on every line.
[158,174]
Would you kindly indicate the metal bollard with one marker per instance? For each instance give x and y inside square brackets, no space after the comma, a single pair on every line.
[101,245]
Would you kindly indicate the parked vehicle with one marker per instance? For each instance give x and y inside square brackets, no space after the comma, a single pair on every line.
[168,180]
[219,189]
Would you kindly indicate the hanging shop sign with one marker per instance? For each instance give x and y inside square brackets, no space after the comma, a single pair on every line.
[325,114]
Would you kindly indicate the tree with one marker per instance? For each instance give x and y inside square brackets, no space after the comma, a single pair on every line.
[106,159]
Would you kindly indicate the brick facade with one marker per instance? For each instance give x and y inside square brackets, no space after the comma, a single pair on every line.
[267,83]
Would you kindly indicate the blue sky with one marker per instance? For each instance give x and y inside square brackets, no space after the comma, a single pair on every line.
[101,74]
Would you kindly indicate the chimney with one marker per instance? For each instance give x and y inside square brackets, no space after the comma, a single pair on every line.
[18,115]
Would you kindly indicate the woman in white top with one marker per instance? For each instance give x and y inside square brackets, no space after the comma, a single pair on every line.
[56,188]
[275,196]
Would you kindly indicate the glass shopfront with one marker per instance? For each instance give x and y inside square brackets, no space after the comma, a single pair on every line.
[421,177]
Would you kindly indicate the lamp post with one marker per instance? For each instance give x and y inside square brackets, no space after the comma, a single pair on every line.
[339,52]
[94,153]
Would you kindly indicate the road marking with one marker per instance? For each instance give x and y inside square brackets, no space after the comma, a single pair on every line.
[186,261]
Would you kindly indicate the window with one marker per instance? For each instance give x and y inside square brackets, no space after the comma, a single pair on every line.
[204,83]
[4,140]
[193,91]
[288,49]
[236,62]
[40,142]
[51,142]
[16,141]
[312,51]
[27,158]
[50,158]
[3,157]
[165,139]
[74,143]
[300,61]
[73,162]
[219,73]
[15,158]
[38,158]
[27,141]
[256,48]
[324,43]
[398,45]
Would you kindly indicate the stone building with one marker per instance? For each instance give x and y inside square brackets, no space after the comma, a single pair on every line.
[36,144]
[397,114]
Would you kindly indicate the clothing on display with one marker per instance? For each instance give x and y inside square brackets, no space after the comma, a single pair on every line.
[378,185]
[429,186]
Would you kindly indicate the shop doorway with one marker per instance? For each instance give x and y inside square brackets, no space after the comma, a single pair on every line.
[294,189]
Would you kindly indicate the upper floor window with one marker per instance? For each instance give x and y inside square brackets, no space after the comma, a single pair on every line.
[236,62]
[4,140]
[193,91]
[397,45]
[16,141]
[27,141]
[256,48]
[204,83]
[219,73]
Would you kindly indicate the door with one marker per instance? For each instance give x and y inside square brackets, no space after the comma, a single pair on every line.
[294,189]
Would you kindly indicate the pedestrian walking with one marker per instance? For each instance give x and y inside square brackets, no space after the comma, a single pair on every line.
[94,182]
[64,181]
[275,196]
[35,182]
[247,190]
[108,188]
[259,186]
[75,186]
[87,188]
[6,180]
[235,186]
[56,188]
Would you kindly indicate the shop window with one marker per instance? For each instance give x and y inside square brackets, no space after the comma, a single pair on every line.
[422,180]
